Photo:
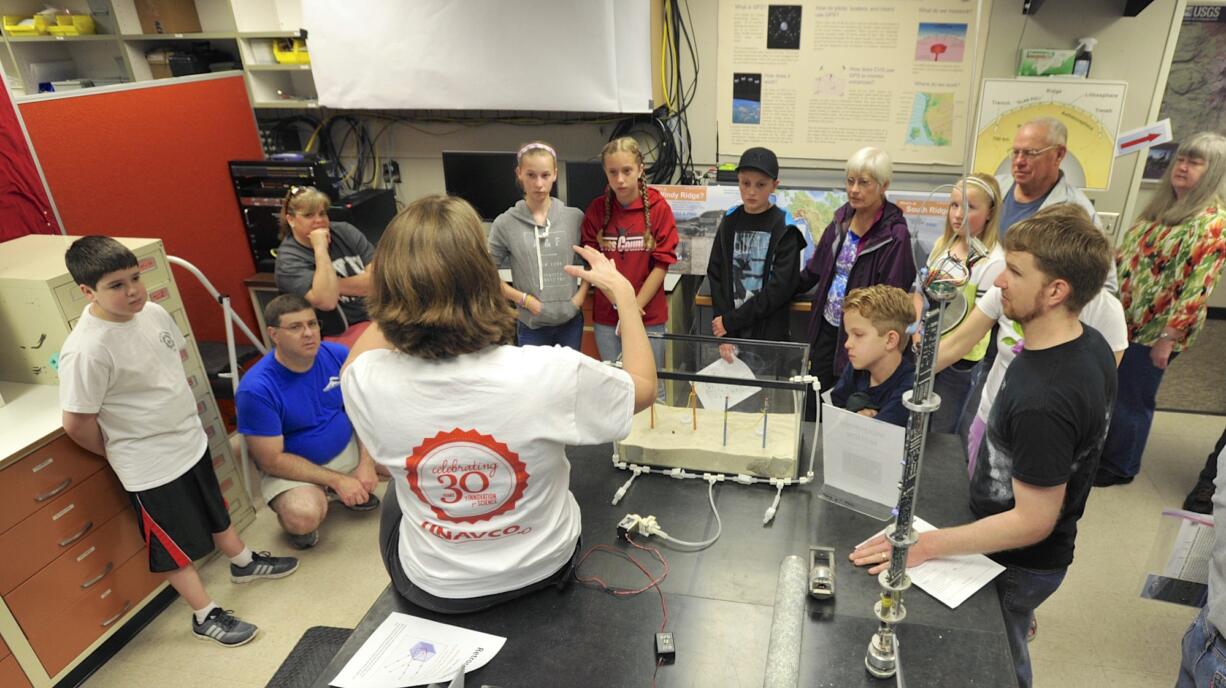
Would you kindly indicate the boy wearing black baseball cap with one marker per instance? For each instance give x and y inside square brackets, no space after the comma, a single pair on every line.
[755,262]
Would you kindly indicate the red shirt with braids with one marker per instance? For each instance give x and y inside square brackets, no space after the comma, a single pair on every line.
[637,238]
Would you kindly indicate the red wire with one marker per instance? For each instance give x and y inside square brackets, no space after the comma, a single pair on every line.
[653,582]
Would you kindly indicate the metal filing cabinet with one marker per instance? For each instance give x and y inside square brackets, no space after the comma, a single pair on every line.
[72,565]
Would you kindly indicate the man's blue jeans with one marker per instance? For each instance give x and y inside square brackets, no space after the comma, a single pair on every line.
[1021,592]
[1204,656]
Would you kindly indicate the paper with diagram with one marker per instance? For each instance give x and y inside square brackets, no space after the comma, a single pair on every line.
[410,651]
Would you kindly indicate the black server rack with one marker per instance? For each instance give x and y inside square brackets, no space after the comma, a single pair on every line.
[259,187]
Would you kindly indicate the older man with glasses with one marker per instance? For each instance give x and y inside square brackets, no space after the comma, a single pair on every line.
[291,413]
[1035,180]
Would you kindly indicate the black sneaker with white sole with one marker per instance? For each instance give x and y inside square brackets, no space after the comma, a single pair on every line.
[224,627]
[263,565]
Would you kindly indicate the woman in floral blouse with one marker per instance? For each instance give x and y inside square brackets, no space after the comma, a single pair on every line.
[1168,264]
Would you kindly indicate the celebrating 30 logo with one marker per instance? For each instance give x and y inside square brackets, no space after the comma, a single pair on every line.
[465,476]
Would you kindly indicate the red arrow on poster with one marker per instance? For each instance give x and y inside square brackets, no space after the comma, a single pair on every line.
[1143,139]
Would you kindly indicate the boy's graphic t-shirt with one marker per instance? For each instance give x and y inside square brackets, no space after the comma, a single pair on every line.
[749,249]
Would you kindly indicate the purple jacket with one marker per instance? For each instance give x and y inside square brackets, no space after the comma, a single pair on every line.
[885,258]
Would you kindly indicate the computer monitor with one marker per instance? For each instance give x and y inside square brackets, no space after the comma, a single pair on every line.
[486,180]
[585,181]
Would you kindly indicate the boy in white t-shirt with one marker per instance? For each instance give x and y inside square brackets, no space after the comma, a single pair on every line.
[124,395]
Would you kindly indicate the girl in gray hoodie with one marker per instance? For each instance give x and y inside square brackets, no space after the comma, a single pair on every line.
[534,238]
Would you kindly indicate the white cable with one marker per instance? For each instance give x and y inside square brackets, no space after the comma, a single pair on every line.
[770,513]
[649,526]
[621,491]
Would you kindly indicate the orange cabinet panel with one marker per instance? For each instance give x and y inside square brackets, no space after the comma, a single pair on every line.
[42,475]
[118,593]
[38,601]
[11,675]
[57,527]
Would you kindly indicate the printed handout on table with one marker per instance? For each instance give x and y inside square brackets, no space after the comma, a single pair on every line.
[409,651]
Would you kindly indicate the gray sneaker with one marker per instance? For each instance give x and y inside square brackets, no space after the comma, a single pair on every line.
[224,627]
[263,565]
[304,540]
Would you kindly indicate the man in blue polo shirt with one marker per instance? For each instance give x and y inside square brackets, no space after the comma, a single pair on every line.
[293,418]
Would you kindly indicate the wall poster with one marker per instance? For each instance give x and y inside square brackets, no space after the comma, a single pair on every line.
[823,79]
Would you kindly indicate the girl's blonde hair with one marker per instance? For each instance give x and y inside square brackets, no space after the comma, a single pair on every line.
[299,200]
[987,185]
[626,144]
[435,291]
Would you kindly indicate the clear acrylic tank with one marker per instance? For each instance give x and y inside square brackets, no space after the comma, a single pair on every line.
[735,413]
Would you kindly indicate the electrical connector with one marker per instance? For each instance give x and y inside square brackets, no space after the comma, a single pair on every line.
[666,649]
[629,525]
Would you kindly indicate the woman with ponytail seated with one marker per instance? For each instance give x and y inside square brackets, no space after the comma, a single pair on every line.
[327,263]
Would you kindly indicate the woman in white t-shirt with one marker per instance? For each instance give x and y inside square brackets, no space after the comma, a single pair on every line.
[472,429]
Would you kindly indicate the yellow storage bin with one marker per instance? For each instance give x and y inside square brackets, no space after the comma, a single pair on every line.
[72,25]
[291,51]
[13,25]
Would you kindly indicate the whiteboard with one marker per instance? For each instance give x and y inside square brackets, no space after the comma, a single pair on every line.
[553,55]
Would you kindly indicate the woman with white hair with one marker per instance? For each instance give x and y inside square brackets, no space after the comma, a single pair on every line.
[1168,264]
[866,243]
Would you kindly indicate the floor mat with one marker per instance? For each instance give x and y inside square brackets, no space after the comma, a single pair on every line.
[308,659]
[1196,381]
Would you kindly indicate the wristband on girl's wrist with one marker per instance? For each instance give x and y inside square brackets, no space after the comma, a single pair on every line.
[524,301]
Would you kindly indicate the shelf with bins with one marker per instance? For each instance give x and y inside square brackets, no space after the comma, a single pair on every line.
[245,29]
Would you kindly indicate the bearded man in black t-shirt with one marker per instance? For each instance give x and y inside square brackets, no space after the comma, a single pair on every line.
[1046,429]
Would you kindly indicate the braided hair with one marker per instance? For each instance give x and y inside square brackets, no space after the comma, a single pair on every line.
[626,144]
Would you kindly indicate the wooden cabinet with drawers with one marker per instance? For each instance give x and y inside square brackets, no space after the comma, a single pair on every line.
[73,565]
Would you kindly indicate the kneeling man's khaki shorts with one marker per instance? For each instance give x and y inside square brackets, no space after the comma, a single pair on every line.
[344,462]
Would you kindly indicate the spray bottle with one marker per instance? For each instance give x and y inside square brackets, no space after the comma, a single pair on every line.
[1085,50]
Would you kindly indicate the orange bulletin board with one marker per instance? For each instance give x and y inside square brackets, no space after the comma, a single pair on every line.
[150,161]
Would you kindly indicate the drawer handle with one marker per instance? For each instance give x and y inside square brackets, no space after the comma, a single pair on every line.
[53,491]
[77,535]
[94,581]
[126,606]
[50,460]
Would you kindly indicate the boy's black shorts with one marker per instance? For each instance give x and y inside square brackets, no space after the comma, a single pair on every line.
[178,519]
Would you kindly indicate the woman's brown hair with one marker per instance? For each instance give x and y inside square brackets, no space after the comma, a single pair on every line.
[435,291]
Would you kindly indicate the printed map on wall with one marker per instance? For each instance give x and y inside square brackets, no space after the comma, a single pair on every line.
[1090,109]
[1195,98]
[823,79]
[699,209]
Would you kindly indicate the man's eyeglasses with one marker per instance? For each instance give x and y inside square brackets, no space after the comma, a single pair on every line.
[299,327]
[1029,153]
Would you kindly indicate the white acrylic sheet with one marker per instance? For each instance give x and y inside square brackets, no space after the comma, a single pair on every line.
[714,395]
[409,651]
[555,55]
[861,456]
